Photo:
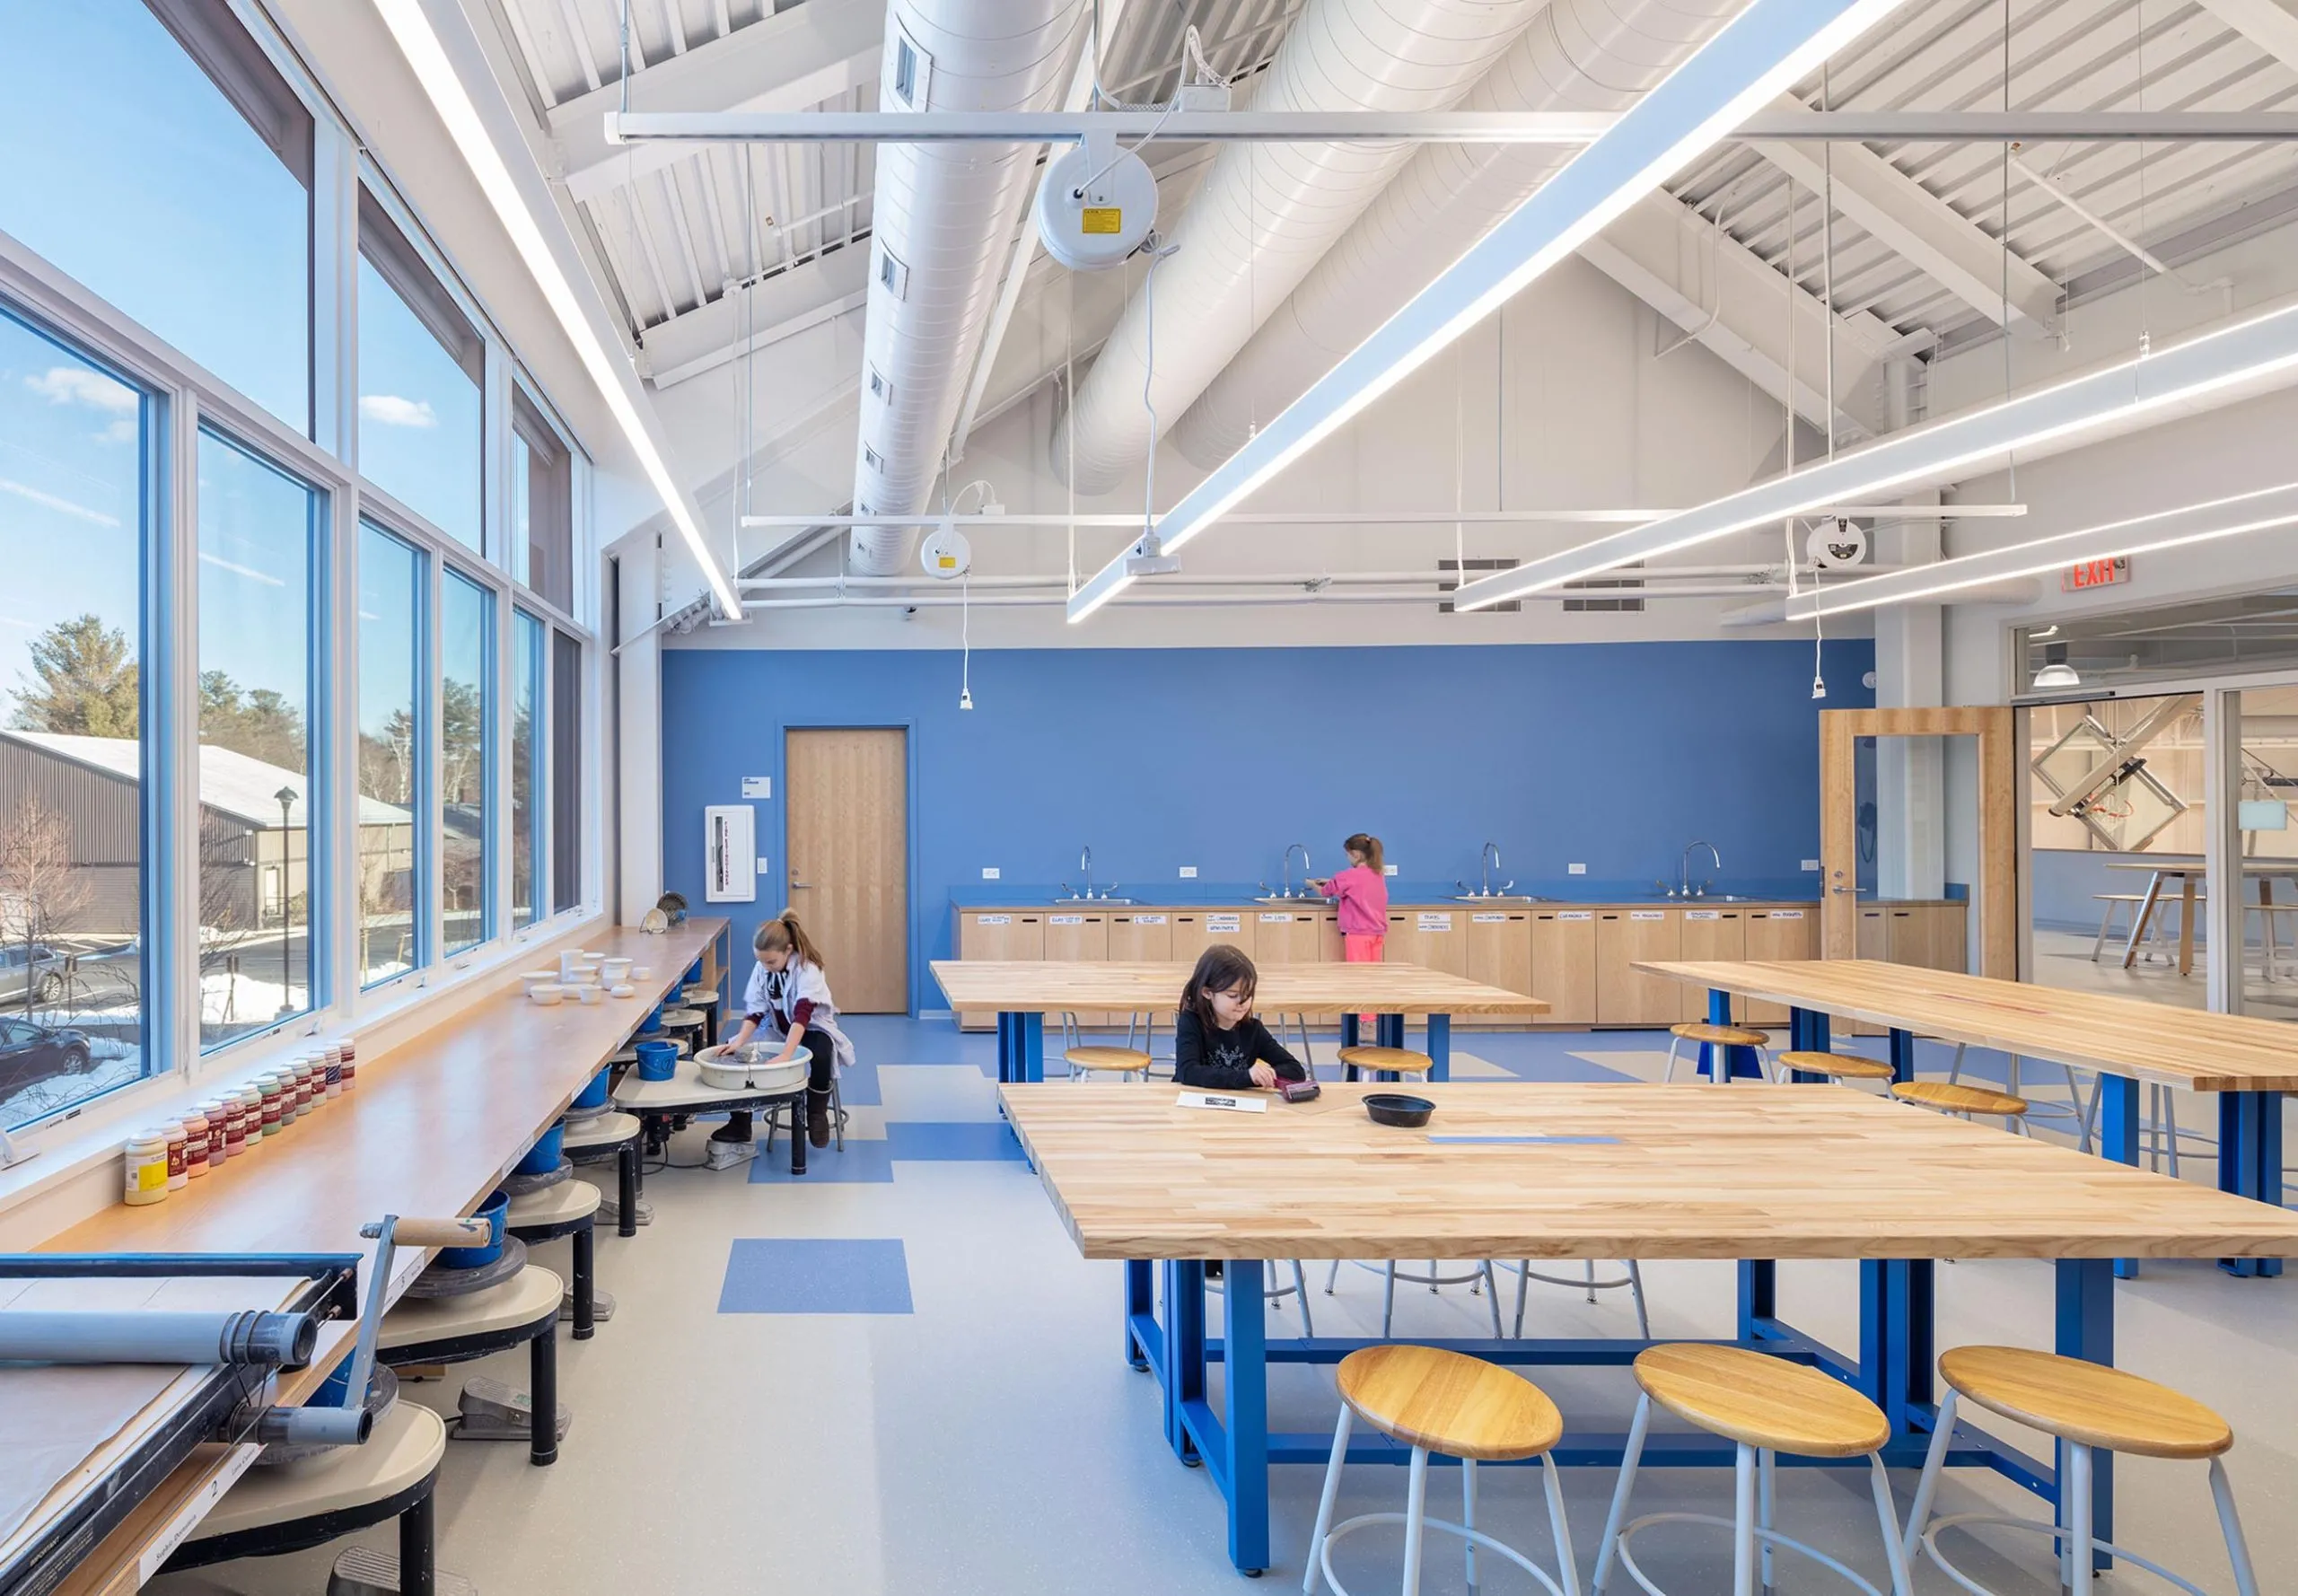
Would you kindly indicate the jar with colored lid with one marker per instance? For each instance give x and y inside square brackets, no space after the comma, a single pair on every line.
[145,1167]
[218,1113]
[195,1145]
[250,1101]
[331,1070]
[306,1086]
[350,1064]
[267,1083]
[178,1140]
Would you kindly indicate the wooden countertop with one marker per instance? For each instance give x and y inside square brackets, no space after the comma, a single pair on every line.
[1673,1172]
[2121,1035]
[433,1128]
[978,983]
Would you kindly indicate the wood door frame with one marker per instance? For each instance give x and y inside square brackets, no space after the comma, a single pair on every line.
[1998,819]
[781,774]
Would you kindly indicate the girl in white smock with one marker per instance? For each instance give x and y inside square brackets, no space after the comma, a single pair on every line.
[788,998]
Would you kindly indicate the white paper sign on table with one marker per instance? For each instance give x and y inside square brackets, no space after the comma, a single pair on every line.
[1225,1102]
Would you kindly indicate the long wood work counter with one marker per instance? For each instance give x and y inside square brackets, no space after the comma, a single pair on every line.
[1023,992]
[435,1124]
[1505,1172]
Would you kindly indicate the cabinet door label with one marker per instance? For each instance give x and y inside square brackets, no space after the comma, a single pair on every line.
[993,919]
[1065,920]
[1148,919]
[1485,920]
[1442,922]
[1228,923]
[1647,913]
[1576,914]
[1787,914]
[1702,914]
[1276,919]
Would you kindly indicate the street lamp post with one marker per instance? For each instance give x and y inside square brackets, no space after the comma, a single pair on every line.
[286,800]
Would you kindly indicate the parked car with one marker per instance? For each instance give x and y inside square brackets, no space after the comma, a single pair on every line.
[29,973]
[30,1054]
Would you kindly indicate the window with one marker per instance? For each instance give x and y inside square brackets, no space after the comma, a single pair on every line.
[172,175]
[466,707]
[74,440]
[393,739]
[255,792]
[542,505]
[566,771]
[421,364]
[526,764]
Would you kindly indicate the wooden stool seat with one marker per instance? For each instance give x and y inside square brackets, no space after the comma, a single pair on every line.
[2088,1403]
[554,1208]
[1762,1401]
[1840,1067]
[1958,1098]
[526,1299]
[608,1130]
[400,1456]
[1401,1061]
[1121,1059]
[1720,1036]
[1448,1402]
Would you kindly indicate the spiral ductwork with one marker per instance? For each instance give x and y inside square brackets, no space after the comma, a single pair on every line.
[1576,55]
[941,219]
[1266,213]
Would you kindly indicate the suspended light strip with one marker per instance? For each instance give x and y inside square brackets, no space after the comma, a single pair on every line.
[1370,517]
[2160,384]
[1755,55]
[616,381]
[2257,511]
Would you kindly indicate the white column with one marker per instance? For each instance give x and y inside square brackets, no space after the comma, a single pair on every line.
[638,741]
[1910,782]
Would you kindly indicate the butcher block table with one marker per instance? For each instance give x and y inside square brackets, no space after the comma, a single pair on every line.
[1754,1173]
[2247,1063]
[1023,992]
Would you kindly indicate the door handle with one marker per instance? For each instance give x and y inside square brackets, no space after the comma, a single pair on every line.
[795,883]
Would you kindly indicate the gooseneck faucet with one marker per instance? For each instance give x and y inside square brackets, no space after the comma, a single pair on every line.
[1684,864]
[1491,858]
[1085,864]
[1302,850]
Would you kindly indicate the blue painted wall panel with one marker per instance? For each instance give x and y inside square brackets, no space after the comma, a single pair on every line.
[1613,755]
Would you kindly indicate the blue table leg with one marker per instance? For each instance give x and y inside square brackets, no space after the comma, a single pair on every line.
[1140,1298]
[1244,1380]
[1807,1032]
[1910,1342]
[1032,1064]
[1440,1047]
[1759,1295]
[1739,1063]
[1388,1030]
[1349,1037]
[1184,1349]
[2086,1329]
[1902,1055]
[2249,1163]
[1005,1027]
[1878,1324]
[2118,1138]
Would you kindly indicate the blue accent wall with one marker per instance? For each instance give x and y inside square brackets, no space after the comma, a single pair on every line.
[1613,755]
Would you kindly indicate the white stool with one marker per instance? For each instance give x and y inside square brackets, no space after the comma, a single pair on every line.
[1632,1279]
[1436,1401]
[2086,1407]
[1480,1279]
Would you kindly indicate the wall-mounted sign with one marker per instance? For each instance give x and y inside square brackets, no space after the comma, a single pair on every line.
[2084,574]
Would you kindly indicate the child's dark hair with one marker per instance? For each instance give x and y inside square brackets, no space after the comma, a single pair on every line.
[1219,968]
[1367,843]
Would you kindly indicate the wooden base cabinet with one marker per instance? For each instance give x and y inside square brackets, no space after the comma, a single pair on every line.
[1564,965]
[1500,954]
[1198,929]
[993,935]
[1774,935]
[1708,933]
[1626,937]
[1080,936]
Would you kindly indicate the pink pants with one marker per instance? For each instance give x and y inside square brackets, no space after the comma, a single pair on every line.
[1362,947]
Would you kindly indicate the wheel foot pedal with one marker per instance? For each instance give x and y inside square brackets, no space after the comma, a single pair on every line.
[601,1305]
[363,1571]
[493,1410]
[726,1155]
[610,1212]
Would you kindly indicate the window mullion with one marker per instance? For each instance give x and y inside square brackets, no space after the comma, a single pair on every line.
[335,294]
[174,942]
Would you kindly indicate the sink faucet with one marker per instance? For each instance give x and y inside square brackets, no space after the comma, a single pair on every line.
[1085,864]
[1685,865]
[1491,862]
[1302,850]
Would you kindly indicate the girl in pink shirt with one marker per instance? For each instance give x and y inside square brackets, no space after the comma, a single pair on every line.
[1362,891]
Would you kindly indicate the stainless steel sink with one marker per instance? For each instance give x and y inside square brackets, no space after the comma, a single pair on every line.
[1092,902]
[1506,898]
[1309,899]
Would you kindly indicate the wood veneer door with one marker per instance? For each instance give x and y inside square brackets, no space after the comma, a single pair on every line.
[849,792]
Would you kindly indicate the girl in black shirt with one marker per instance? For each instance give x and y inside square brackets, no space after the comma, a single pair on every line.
[1218,1045]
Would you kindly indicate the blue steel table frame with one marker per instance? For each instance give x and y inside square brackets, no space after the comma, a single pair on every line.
[1020,1042]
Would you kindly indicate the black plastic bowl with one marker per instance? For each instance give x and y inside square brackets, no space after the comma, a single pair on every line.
[1394,1107]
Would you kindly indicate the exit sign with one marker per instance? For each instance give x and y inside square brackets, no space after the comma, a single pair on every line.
[2084,574]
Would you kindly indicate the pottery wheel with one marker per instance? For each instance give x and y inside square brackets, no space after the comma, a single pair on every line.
[523,1184]
[436,1281]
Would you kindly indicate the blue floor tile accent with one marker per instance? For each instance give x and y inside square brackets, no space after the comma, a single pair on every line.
[858,1086]
[791,1275]
[897,1038]
[863,1162]
[952,1142]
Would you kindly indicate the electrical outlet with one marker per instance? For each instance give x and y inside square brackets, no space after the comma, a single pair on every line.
[1811,864]
[761,865]
[1188,872]
[1575,869]
[989,873]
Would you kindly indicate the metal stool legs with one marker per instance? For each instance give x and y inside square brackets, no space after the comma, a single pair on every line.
[1633,1280]
[1480,1279]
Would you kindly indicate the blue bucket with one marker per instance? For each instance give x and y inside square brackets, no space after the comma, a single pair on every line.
[694,975]
[543,1156]
[491,1211]
[333,1388]
[652,1024]
[595,1095]
[657,1061]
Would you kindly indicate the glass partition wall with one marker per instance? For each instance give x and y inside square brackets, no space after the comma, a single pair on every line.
[294,597]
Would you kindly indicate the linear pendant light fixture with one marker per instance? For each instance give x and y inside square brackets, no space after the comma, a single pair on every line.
[1754,58]
[420,44]
[2256,511]
[2183,378]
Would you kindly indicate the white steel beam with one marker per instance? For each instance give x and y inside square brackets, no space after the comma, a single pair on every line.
[772,308]
[1755,55]
[2268,24]
[2219,367]
[787,62]
[1921,227]
[1728,299]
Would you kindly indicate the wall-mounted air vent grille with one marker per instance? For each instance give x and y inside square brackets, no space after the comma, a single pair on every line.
[893,275]
[913,76]
[1448,578]
[880,389]
[1607,606]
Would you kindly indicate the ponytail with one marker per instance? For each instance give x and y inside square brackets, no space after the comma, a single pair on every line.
[1370,847]
[783,933]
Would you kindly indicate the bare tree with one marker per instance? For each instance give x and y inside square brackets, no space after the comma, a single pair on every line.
[40,892]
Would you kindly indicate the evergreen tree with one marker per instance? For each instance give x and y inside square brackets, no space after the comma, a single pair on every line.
[83,682]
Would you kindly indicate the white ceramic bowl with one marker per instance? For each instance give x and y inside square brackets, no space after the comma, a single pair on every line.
[528,980]
[590,994]
[615,971]
[625,990]
[640,972]
[547,993]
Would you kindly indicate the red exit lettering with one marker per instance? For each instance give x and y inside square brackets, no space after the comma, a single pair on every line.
[2090,574]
